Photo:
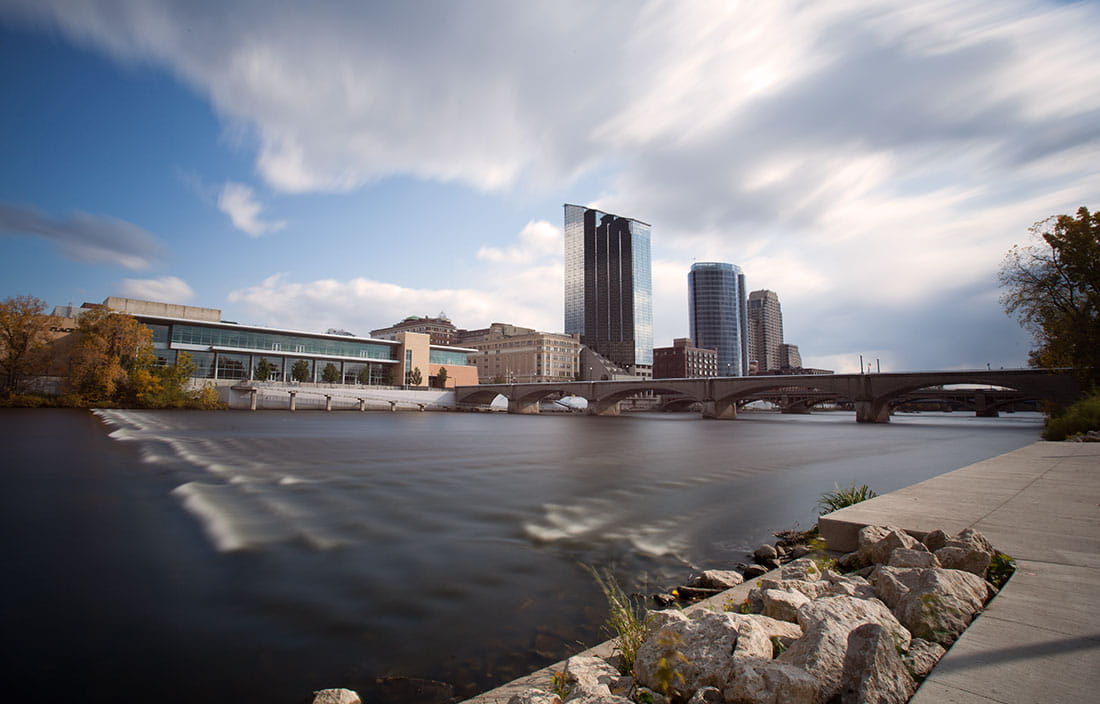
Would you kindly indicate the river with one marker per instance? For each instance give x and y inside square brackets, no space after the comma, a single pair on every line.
[213,556]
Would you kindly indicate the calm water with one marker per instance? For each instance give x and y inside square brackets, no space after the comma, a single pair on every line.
[192,556]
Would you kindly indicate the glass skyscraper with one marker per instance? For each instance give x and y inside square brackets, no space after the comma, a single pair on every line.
[609,286]
[716,306]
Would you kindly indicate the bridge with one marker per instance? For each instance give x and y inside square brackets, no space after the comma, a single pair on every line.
[872,395]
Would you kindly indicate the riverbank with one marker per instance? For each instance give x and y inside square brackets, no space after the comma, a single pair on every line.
[1039,639]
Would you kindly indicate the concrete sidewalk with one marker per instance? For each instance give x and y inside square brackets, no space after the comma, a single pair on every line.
[1039,639]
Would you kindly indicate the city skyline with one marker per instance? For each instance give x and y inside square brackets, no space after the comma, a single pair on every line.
[349,164]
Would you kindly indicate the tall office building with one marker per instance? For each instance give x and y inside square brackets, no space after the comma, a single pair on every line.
[609,286]
[765,330]
[716,307]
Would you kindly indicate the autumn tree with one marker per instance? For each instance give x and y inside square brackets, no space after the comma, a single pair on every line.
[24,335]
[113,357]
[1053,288]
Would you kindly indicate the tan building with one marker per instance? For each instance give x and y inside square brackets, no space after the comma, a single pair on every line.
[765,329]
[440,329]
[511,354]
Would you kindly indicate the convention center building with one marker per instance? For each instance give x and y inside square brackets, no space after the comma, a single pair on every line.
[225,350]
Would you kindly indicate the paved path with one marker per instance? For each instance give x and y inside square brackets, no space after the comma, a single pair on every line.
[1039,639]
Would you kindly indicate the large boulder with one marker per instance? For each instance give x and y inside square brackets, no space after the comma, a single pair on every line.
[922,657]
[762,681]
[904,557]
[805,569]
[783,605]
[850,585]
[592,680]
[335,696]
[873,670]
[877,542]
[827,623]
[934,604]
[701,647]
[717,579]
[968,559]
[765,554]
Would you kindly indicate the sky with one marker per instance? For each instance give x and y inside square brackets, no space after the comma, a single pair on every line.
[346,164]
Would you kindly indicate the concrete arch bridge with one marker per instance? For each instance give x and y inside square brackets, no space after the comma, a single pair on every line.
[872,395]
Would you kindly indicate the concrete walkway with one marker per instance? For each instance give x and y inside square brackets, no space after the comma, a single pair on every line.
[1039,639]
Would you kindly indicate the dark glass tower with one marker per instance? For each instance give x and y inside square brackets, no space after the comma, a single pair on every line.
[716,306]
[609,286]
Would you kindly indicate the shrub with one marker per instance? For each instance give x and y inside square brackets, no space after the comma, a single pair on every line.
[626,618]
[1001,567]
[1081,417]
[841,498]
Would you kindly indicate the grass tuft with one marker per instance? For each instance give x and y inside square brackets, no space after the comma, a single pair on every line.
[627,621]
[841,498]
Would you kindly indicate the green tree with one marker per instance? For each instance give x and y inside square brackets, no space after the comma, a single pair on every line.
[441,378]
[263,369]
[364,375]
[299,371]
[24,335]
[330,374]
[415,377]
[1053,288]
[113,357]
[387,376]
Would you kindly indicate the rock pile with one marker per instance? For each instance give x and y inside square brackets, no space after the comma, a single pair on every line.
[807,635]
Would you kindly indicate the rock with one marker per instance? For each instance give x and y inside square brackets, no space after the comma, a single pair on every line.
[800,551]
[534,696]
[592,680]
[922,657]
[873,670]
[827,623]
[904,557]
[336,696]
[663,601]
[707,695]
[812,589]
[764,681]
[781,550]
[850,585]
[934,604]
[877,542]
[753,571]
[717,579]
[935,540]
[974,539]
[957,557]
[764,552]
[702,647]
[805,569]
[645,693]
[849,561]
[782,605]
[696,593]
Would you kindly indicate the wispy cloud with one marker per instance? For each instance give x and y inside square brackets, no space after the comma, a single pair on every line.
[169,289]
[84,237]
[239,202]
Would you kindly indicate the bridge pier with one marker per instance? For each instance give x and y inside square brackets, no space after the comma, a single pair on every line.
[328,402]
[603,408]
[872,412]
[252,393]
[293,394]
[720,410]
[523,407]
[983,408]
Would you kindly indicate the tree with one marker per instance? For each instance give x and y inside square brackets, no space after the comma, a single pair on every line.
[263,369]
[113,357]
[441,378]
[387,376]
[330,374]
[1053,288]
[24,334]
[299,371]
[364,375]
[415,377]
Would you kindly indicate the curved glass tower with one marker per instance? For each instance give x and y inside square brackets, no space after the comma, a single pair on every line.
[609,286]
[716,306]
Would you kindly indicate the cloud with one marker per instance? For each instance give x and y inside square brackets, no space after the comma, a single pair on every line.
[84,237]
[238,201]
[860,157]
[522,286]
[169,289]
